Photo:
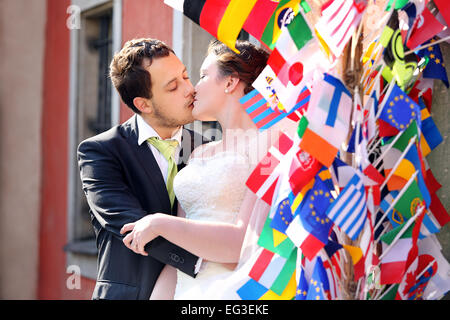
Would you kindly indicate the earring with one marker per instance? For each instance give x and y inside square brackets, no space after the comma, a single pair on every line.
[226,90]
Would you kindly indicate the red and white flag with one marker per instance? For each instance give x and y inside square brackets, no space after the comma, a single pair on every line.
[425,27]
[283,79]
[439,284]
[338,22]
[302,170]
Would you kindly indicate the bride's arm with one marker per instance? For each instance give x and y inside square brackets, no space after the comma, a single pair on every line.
[213,241]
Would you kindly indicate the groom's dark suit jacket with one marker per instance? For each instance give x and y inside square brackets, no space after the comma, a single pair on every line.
[122,183]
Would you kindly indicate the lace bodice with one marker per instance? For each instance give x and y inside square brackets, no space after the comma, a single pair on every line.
[212,188]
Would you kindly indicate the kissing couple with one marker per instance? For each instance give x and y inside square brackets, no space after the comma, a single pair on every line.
[166,229]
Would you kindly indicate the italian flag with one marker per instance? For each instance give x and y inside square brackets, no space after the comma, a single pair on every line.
[393,263]
[274,271]
[302,239]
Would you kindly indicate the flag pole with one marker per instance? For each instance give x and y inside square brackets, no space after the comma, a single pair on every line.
[389,147]
[390,87]
[397,164]
[324,254]
[425,269]
[375,142]
[427,45]
[378,297]
[357,114]
[397,198]
[402,231]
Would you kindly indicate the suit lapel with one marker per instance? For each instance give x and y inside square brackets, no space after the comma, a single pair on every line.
[148,161]
[149,164]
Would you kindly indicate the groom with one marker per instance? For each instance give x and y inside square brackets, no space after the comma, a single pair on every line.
[127,172]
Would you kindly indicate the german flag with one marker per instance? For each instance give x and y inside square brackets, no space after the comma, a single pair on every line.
[223,19]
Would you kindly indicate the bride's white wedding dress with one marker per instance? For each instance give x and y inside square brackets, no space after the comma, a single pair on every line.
[210,189]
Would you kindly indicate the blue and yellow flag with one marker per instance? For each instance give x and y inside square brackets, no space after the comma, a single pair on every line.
[283,215]
[318,285]
[302,288]
[399,109]
[431,137]
[435,68]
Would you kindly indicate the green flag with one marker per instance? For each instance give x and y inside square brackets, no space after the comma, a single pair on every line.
[299,31]
[406,135]
[409,201]
[283,15]
[390,293]
[389,237]
[275,241]
[285,274]
[398,4]
[302,125]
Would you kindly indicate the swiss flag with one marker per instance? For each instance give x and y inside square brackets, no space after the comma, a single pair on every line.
[425,27]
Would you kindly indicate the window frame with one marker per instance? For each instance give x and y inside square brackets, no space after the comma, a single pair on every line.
[81,252]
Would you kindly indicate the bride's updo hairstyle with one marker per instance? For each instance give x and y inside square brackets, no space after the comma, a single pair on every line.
[246,65]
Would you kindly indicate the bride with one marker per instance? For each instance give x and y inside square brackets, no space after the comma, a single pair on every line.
[214,204]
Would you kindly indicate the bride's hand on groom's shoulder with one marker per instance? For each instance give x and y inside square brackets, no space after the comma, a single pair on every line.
[140,233]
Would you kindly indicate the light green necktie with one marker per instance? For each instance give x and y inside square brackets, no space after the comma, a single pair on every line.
[167,149]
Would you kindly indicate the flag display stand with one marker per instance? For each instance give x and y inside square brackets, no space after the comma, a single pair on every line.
[352,199]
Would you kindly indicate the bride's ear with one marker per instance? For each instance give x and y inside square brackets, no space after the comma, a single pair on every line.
[231,84]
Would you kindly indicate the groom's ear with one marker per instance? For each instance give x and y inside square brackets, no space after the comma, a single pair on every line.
[143,105]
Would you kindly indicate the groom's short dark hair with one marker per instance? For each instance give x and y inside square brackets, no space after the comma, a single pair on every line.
[127,72]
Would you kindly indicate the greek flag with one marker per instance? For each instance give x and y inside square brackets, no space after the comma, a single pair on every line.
[349,210]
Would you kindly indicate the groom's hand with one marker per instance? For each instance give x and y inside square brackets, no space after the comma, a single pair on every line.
[140,234]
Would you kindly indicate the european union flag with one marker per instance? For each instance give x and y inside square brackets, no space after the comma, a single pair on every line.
[399,110]
[313,211]
[302,288]
[283,216]
[318,284]
[310,227]
[435,68]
